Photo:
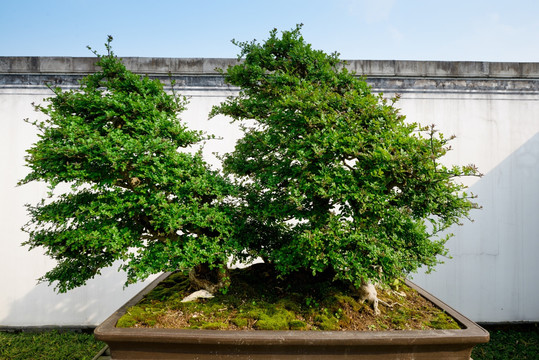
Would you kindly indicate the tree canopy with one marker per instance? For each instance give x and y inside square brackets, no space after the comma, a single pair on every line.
[333,178]
[139,193]
[327,178]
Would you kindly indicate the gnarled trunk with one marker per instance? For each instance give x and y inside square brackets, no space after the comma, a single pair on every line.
[210,278]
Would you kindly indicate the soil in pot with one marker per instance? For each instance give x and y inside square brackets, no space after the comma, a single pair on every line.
[258,300]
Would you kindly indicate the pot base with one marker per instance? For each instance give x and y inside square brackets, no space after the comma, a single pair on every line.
[144,343]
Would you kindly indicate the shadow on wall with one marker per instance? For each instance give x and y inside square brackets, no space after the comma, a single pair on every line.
[492,276]
[86,306]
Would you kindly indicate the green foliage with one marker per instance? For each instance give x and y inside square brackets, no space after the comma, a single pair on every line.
[330,179]
[138,194]
[333,178]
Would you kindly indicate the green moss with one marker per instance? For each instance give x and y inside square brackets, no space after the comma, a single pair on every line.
[288,304]
[275,318]
[342,300]
[443,321]
[325,322]
[399,317]
[132,317]
[255,313]
[240,322]
[126,322]
[258,301]
[297,325]
[214,326]
[143,315]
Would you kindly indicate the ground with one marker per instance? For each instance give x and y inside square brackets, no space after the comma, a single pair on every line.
[258,300]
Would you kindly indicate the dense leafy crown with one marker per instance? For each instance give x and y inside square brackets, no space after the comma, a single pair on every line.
[330,177]
[134,196]
[334,179]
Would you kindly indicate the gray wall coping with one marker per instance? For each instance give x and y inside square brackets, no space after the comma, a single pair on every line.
[207,66]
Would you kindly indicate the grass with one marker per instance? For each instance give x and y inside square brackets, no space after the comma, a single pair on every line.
[507,342]
[48,345]
[510,342]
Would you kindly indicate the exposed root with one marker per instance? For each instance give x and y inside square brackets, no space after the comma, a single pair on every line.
[202,277]
[389,305]
[367,292]
[199,294]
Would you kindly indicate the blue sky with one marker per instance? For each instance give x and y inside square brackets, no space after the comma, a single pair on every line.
[472,30]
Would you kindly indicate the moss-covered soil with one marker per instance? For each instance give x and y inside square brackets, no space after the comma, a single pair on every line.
[257,300]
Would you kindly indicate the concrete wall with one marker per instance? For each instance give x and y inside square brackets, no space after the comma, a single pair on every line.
[491,107]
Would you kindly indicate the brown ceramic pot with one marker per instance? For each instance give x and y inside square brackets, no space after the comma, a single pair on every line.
[133,343]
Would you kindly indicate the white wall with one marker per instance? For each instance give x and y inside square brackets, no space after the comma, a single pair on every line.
[491,277]
[22,301]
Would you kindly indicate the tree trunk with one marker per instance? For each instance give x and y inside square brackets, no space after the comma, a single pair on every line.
[204,277]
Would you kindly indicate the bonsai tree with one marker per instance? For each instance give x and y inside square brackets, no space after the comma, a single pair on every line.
[333,179]
[134,190]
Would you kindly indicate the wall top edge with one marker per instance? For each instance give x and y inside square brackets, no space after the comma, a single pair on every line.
[207,66]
